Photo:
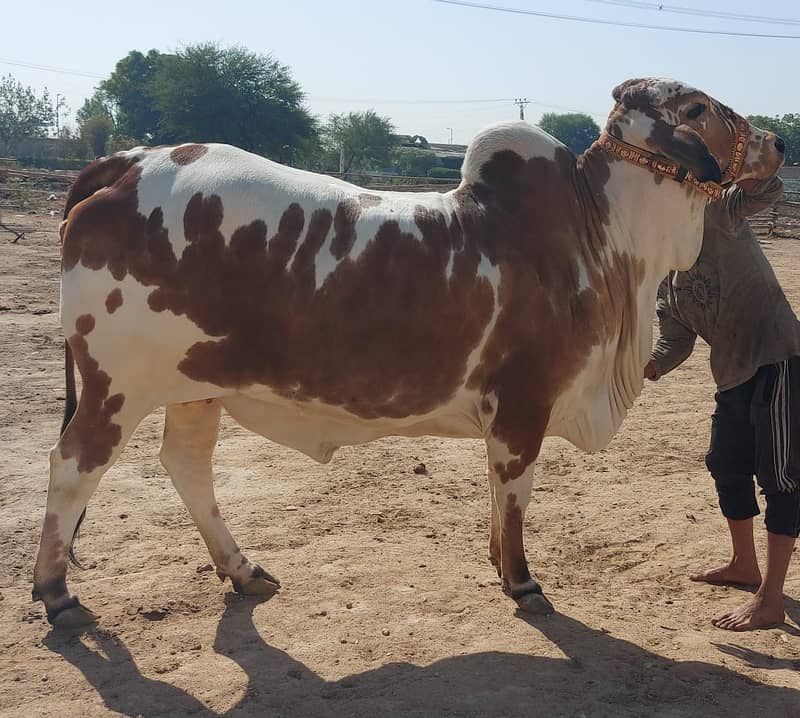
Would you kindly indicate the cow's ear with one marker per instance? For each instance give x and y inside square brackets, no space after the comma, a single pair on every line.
[688,148]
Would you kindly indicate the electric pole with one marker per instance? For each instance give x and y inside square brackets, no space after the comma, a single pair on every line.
[522,102]
[451,134]
[59,101]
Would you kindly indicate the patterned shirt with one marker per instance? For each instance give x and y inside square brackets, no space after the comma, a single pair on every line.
[730,297]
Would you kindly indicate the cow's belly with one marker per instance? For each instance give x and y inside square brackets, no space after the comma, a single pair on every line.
[318,430]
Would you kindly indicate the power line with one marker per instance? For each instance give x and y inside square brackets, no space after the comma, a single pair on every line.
[614,23]
[404,102]
[48,68]
[384,101]
[681,10]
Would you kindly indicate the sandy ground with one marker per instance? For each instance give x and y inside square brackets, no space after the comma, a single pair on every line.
[389,606]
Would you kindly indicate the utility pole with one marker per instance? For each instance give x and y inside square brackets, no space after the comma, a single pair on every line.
[59,101]
[451,134]
[522,102]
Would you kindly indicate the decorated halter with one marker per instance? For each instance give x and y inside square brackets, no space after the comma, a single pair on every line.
[659,165]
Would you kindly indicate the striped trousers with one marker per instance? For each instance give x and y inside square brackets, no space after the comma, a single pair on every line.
[755,430]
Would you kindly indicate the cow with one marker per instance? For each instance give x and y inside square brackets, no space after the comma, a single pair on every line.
[320,314]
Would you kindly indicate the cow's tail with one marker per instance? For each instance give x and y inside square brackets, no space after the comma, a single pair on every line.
[70,407]
[95,176]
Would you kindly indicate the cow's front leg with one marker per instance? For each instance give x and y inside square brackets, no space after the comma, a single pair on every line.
[190,435]
[512,480]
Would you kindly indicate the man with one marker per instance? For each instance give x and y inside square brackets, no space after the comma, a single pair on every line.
[732,299]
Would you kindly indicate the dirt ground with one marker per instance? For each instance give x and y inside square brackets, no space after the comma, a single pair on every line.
[389,606]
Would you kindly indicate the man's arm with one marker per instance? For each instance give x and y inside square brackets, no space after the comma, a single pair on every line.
[676,342]
[753,198]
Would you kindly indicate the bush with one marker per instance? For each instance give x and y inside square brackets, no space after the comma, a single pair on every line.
[444,173]
[95,131]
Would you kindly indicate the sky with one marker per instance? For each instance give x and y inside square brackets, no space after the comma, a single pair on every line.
[433,68]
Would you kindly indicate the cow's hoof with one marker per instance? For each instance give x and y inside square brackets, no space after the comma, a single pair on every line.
[75,617]
[260,583]
[535,604]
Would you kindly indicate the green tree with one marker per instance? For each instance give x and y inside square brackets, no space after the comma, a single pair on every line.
[129,90]
[366,138]
[100,104]
[23,112]
[212,94]
[96,131]
[575,129]
[787,127]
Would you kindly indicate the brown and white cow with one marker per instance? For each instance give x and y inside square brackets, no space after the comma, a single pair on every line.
[318,314]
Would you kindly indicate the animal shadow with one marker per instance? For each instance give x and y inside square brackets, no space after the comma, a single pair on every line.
[599,675]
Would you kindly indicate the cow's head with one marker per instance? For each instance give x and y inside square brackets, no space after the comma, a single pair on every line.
[696,131]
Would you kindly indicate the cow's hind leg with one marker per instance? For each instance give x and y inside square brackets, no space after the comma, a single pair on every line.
[511,488]
[88,447]
[190,435]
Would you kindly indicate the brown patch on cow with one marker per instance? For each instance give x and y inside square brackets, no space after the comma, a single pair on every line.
[344,226]
[515,567]
[186,154]
[50,573]
[303,267]
[91,435]
[105,229]
[366,340]
[369,200]
[53,561]
[539,218]
[84,324]
[114,300]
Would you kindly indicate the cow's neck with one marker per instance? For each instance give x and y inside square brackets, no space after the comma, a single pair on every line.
[654,218]
[659,225]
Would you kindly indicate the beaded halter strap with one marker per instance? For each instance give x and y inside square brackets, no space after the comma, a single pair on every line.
[660,165]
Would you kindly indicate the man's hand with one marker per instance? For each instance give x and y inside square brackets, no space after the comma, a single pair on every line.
[650,372]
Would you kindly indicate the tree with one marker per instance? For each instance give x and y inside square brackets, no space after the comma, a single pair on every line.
[207,93]
[129,90]
[23,112]
[100,104]
[366,139]
[787,127]
[95,131]
[576,130]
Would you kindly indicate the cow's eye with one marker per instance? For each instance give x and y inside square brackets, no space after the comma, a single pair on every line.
[695,111]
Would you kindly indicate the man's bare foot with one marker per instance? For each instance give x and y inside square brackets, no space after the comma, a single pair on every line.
[760,612]
[733,572]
